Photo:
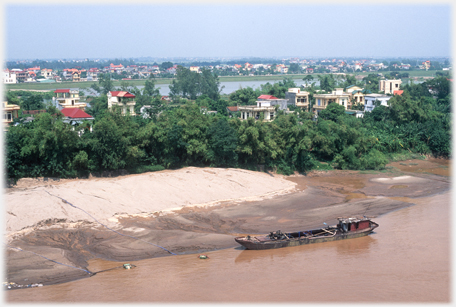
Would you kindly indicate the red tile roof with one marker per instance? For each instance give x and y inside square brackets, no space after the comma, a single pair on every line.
[75,113]
[398,92]
[267,97]
[122,94]
[233,109]
[62,91]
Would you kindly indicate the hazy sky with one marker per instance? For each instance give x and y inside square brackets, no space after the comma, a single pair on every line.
[204,30]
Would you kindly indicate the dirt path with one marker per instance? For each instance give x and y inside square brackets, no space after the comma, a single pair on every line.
[299,200]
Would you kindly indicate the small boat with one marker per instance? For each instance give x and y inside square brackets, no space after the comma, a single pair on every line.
[347,228]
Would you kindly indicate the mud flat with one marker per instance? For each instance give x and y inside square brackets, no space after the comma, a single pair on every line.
[191,210]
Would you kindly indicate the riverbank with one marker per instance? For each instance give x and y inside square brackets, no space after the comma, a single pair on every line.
[188,211]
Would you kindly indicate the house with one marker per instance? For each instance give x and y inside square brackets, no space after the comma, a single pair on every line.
[195,69]
[426,65]
[370,99]
[92,74]
[46,73]
[298,98]
[9,77]
[68,72]
[262,108]
[282,103]
[231,110]
[21,75]
[116,68]
[10,112]
[356,113]
[75,116]
[309,70]
[337,96]
[389,86]
[123,99]
[351,88]
[76,76]
[358,97]
[266,106]
[67,98]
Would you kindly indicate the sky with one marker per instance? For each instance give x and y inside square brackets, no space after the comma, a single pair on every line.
[112,30]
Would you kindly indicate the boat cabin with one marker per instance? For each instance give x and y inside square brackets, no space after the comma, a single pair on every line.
[352,224]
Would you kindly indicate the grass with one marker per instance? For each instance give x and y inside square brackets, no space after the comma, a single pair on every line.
[405,155]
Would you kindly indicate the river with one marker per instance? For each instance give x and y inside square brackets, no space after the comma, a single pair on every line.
[407,259]
[227,87]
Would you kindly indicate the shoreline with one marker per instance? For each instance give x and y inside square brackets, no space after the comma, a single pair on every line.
[207,226]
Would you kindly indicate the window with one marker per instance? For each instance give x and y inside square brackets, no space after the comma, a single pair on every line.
[318,101]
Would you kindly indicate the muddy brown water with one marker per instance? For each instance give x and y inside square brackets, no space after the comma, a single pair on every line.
[407,259]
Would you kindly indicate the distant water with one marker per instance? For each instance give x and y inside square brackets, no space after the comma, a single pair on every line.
[227,87]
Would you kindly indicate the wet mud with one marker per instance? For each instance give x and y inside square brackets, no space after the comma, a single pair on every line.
[320,197]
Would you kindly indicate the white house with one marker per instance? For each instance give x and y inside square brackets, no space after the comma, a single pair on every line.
[9,77]
[369,101]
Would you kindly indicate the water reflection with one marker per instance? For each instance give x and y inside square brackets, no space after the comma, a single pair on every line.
[349,247]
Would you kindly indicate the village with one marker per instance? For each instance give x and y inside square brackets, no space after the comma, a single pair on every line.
[68,102]
[135,72]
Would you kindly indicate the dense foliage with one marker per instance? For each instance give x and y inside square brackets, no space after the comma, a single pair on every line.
[418,121]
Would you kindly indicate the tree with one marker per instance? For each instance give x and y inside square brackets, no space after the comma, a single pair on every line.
[165,65]
[33,102]
[294,68]
[149,88]
[222,144]
[327,82]
[106,83]
[332,112]
[308,78]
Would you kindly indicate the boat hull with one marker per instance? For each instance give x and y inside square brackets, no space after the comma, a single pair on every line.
[254,244]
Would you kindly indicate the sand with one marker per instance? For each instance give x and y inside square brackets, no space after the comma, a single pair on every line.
[37,203]
[190,210]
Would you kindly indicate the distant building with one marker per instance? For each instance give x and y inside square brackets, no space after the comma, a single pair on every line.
[75,116]
[9,77]
[262,108]
[123,99]
[389,86]
[370,100]
[10,112]
[298,98]
[67,98]
[337,96]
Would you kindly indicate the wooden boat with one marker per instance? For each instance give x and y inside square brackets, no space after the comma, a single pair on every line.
[347,228]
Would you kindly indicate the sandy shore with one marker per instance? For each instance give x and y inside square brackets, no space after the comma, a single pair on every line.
[190,210]
[36,203]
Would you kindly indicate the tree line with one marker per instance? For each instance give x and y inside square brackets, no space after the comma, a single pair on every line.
[179,134]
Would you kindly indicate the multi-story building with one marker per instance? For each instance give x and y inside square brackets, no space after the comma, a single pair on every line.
[10,112]
[265,107]
[195,69]
[262,108]
[370,100]
[67,98]
[124,100]
[46,73]
[9,77]
[298,98]
[389,86]
[337,96]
